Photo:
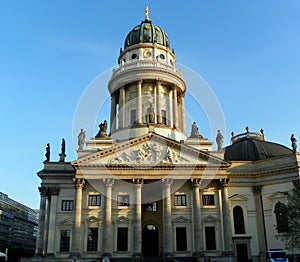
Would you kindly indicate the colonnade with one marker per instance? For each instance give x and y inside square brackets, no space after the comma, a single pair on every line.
[48,205]
[175,115]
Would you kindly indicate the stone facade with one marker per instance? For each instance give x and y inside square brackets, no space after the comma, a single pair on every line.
[149,190]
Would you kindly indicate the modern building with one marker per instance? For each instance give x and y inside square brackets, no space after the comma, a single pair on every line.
[18,225]
[151,188]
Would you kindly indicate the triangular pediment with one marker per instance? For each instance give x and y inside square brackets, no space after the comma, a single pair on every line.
[122,220]
[209,219]
[238,197]
[181,219]
[64,222]
[150,149]
[277,195]
[92,219]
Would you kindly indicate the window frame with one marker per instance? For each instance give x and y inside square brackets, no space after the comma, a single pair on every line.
[180,200]
[67,205]
[98,200]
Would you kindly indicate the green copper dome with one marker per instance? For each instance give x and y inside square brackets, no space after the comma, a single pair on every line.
[147,32]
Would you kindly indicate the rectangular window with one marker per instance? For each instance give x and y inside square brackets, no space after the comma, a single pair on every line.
[210,238]
[94,200]
[208,200]
[123,200]
[181,240]
[150,207]
[92,242]
[164,117]
[64,240]
[67,205]
[180,200]
[132,117]
[122,239]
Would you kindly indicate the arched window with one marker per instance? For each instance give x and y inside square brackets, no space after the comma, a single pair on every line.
[281,217]
[238,217]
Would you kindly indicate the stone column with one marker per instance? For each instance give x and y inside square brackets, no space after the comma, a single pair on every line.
[137,247]
[139,103]
[52,221]
[227,230]
[182,113]
[76,230]
[158,98]
[107,228]
[46,230]
[113,119]
[170,120]
[167,219]
[155,102]
[261,230]
[175,108]
[122,108]
[41,223]
[198,244]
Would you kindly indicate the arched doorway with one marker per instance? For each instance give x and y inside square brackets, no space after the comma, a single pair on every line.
[150,241]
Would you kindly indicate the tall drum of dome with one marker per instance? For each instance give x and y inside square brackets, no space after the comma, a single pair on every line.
[147,90]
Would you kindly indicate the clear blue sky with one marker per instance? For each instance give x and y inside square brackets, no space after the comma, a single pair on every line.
[248,52]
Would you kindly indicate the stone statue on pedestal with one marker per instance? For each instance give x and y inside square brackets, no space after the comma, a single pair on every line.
[81,139]
[294,143]
[47,155]
[150,113]
[219,140]
[62,155]
[195,131]
[103,130]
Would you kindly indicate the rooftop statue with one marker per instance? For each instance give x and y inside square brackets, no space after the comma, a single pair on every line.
[81,139]
[219,140]
[63,146]
[294,143]
[62,155]
[195,131]
[47,153]
[103,130]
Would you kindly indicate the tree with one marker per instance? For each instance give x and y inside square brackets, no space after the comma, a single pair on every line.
[291,236]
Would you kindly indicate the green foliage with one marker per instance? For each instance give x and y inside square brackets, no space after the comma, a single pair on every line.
[291,238]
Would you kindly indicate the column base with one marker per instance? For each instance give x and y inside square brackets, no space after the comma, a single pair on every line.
[199,256]
[75,255]
[137,256]
[167,256]
[50,255]
[106,254]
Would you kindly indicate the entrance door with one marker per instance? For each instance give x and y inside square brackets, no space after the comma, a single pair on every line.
[242,252]
[150,241]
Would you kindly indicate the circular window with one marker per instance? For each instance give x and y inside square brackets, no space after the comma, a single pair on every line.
[133,56]
[147,54]
[161,56]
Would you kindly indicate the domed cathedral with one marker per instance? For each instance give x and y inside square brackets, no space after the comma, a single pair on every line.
[147,191]
[147,90]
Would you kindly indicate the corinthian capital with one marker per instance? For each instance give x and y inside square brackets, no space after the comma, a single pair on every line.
[108,182]
[79,182]
[43,190]
[223,183]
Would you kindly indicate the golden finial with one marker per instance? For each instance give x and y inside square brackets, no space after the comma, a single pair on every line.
[146,13]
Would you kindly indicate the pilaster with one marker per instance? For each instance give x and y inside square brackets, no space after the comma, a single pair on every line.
[227,230]
[41,223]
[113,119]
[261,231]
[159,98]
[54,191]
